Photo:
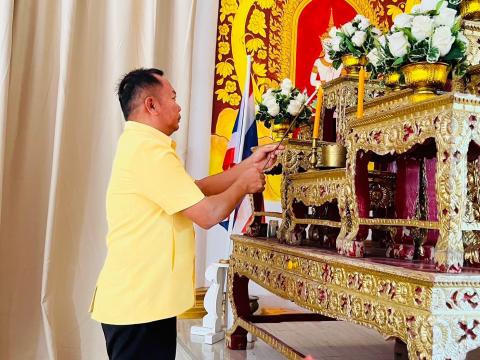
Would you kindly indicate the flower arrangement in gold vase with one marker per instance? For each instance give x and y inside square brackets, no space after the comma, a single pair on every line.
[280,106]
[349,45]
[426,45]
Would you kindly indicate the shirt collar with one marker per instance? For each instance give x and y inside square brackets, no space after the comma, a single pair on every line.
[146,129]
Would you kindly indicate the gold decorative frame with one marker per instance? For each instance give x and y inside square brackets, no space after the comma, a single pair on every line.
[451,121]
[435,314]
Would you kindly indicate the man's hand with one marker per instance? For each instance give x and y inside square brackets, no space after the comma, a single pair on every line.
[265,156]
[252,179]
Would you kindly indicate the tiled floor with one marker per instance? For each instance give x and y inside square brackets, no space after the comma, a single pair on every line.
[326,340]
[323,340]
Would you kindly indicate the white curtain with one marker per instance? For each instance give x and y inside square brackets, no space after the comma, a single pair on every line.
[60,61]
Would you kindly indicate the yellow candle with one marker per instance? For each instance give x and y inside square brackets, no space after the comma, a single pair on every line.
[361,92]
[318,112]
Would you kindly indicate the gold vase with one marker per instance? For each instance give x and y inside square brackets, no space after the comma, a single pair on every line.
[352,64]
[424,78]
[392,80]
[472,79]
[279,130]
[470,9]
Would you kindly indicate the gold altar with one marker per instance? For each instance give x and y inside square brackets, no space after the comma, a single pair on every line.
[320,262]
[434,313]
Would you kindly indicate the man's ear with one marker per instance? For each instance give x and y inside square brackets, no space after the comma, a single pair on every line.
[151,105]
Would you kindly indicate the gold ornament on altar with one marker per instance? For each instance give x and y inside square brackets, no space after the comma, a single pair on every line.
[470,9]
[392,80]
[353,64]
[425,78]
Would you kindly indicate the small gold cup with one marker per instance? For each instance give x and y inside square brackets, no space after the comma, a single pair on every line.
[353,64]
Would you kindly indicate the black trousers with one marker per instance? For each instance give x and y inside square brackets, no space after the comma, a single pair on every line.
[148,341]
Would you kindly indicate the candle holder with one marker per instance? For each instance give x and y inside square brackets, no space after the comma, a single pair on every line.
[314,155]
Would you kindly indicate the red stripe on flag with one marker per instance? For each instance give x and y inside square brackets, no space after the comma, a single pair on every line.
[229,159]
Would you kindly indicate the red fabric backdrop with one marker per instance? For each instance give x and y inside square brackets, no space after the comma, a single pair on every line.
[313,22]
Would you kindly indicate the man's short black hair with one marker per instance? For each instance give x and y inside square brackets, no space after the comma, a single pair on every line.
[133,83]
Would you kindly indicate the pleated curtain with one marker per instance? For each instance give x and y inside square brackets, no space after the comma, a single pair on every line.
[60,62]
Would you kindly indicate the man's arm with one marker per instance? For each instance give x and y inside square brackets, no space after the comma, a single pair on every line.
[216,184]
[213,209]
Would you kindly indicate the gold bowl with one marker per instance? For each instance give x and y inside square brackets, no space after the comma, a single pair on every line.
[424,78]
[352,64]
[470,9]
[278,130]
[392,80]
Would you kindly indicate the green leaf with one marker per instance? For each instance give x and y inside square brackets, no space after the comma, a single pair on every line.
[457,26]
[433,55]
[408,33]
[336,64]
[439,6]
[455,53]
[398,61]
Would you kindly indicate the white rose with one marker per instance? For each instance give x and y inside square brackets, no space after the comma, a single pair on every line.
[403,21]
[374,57]
[336,43]
[273,108]
[382,40]
[286,86]
[398,44]
[364,24]
[429,5]
[359,18]
[294,107]
[377,32]
[443,39]
[268,96]
[348,29]
[301,98]
[333,32]
[359,38]
[422,27]
[446,17]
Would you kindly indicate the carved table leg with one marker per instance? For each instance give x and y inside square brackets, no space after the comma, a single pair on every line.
[350,246]
[238,297]
[344,220]
[451,178]
[283,231]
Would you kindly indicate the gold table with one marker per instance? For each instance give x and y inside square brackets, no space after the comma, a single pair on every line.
[394,125]
[435,314]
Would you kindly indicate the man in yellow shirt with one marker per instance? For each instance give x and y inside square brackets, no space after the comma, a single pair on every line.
[149,273]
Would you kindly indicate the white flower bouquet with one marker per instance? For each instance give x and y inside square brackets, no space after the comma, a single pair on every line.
[280,106]
[354,38]
[431,33]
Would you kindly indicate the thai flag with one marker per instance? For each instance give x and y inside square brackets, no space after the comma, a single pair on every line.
[245,113]
[244,137]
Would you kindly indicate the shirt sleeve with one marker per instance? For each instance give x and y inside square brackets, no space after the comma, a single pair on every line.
[163,179]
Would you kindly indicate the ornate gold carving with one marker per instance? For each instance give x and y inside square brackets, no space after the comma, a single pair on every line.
[471,30]
[471,239]
[451,121]
[399,222]
[435,314]
[315,187]
[342,93]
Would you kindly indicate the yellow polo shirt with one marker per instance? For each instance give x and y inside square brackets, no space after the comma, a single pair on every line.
[149,272]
